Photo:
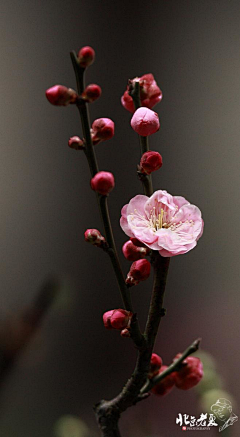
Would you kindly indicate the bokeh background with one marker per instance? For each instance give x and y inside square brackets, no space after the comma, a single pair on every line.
[70,362]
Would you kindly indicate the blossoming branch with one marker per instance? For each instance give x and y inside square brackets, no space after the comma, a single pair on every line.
[159,226]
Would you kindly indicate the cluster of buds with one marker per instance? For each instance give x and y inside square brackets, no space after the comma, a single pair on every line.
[134,250]
[189,375]
[60,95]
[103,182]
[139,271]
[150,93]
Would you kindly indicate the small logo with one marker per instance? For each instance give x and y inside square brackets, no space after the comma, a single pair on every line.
[223,411]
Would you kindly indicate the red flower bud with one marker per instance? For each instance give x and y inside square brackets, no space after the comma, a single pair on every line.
[165,386]
[145,122]
[92,92]
[139,271]
[60,95]
[117,319]
[102,130]
[94,237]
[132,252]
[76,143]
[103,182]
[150,161]
[155,364]
[86,56]
[190,374]
[125,333]
[150,93]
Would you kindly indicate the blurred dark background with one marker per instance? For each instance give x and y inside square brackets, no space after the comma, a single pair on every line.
[192,48]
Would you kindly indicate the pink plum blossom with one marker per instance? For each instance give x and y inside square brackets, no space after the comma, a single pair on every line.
[169,224]
[145,121]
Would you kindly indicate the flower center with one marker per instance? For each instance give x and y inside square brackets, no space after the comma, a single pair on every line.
[160,221]
[156,220]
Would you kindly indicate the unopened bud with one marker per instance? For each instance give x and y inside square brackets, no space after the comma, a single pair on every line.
[150,161]
[145,122]
[102,130]
[190,374]
[164,386]
[76,143]
[139,271]
[91,93]
[94,237]
[86,56]
[60,95]
[155,364]
[125,333]
[103,182]
[150,93]
[117,319]
[132,252]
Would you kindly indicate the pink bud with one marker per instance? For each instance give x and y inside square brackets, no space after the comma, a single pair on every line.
[102,130]
[145,122]
[92,92]
[103,182]
[150,161]
[60,95]
[155,364]
[94,237]
[76,143]
[139,271]
[86,56]
[117,319]
[132,252]
[190,374]
[165,386]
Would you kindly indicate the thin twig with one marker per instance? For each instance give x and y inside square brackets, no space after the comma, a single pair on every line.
[134,92]
[136,335]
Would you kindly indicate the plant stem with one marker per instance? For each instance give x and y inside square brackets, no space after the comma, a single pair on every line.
[160,265]
[134,92]
[103,205]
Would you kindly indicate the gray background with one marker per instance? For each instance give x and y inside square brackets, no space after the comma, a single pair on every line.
[192,48]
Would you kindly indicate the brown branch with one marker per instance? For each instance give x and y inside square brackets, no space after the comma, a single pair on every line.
[136,334]
[156,312]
